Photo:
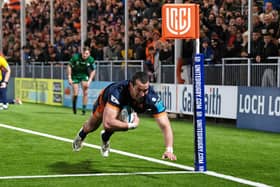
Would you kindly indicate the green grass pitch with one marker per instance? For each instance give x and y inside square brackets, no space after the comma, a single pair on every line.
[42,161]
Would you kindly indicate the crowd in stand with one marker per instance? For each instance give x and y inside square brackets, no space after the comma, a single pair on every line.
[223,30]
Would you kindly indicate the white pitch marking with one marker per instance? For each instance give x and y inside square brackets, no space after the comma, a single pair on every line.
[210,173]
[95,174]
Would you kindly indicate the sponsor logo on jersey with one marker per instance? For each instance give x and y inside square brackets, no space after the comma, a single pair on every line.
[114,100]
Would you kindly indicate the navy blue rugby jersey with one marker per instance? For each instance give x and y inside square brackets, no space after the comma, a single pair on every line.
[117,94]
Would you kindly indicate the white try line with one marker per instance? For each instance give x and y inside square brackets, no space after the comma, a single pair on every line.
[96,175]
[184,167]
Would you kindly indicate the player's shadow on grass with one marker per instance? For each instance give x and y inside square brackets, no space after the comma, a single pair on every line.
[88,166]
[81,167]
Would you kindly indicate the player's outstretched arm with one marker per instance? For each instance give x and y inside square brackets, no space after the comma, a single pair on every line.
[166,129]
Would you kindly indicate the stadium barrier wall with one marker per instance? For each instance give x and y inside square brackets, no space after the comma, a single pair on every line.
[231,72]
[93,92]
[179,99]
[253,107]
[259,108]
[11,90]
[220,102]
[45,91]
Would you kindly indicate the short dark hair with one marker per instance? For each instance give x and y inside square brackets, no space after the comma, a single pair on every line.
[140,75]
[86,48]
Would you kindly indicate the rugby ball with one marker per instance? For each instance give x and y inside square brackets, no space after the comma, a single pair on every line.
[127,114]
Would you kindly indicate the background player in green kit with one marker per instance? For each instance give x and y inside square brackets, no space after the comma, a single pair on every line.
[81,69]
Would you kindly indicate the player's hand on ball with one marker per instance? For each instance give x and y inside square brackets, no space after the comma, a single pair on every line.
[136,119]
[168,155]
[134,122]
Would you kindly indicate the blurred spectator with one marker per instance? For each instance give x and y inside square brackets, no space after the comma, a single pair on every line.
[67,53]
[149,63]
[96,50]
[273,3]
[154,38]
[222,20]
[240,23]
[231,5]
[209,23]
[51,54]
[158,48]
[37,56]
[207,51]
[112,51]
[166,52]
[256,43]
[187,60]
[14,4]
[58,50]
[232,42]
[26,53]
[244,45]
[122,52]
[218,50]
[138,49]
[269,26]
[153,8]
[219,28]
[266,50]
[257,23]
[268,8]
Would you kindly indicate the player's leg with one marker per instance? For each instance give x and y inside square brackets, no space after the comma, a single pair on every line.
[90,125]
[75,87]
[4,98]
[105,142]
[1,98]
[85,96]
